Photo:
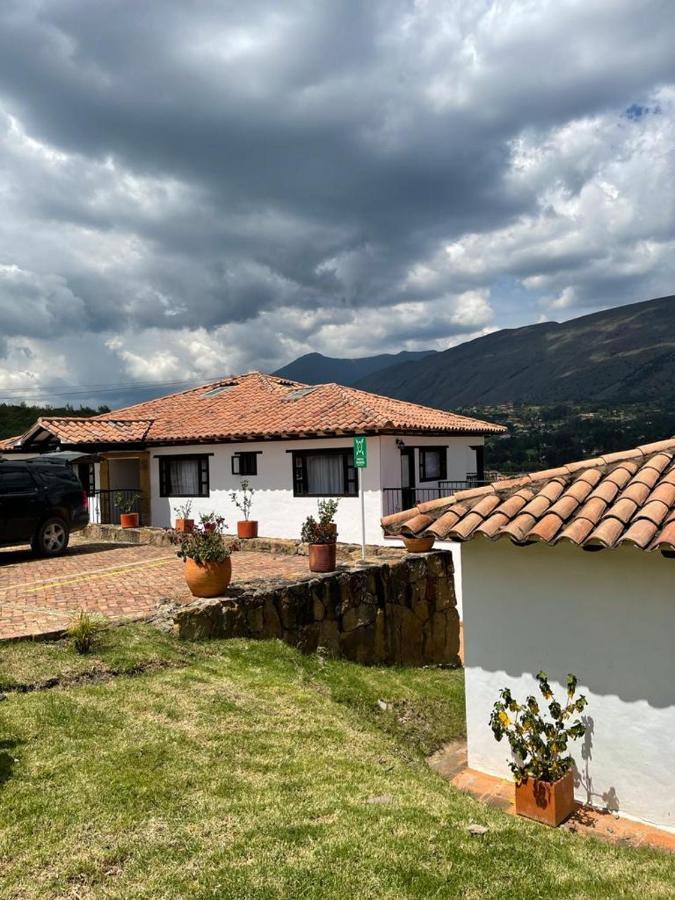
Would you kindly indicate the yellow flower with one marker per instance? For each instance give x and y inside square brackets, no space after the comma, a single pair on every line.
[504,719]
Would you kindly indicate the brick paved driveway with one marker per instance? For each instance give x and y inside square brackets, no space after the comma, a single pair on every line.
[40,596]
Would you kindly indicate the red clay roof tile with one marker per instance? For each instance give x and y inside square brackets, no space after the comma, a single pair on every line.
[619,498]
[256,406]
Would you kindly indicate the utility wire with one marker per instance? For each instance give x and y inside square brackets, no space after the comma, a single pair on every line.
[14,394]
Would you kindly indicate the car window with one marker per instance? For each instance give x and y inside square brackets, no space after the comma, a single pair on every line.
[15,481]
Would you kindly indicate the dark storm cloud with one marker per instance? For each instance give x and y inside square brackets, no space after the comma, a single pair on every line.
[172,169]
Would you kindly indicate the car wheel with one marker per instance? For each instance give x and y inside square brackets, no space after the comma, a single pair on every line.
[51,538]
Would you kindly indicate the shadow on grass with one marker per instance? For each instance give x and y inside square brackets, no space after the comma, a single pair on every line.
[7,758]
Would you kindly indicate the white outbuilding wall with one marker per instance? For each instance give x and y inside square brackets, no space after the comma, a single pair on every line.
[608,617]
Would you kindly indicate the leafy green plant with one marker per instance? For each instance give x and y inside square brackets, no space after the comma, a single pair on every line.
[327,511]
[539,746]
[243,499]
[321,530]
[204,543]
[126,503]
[83,631]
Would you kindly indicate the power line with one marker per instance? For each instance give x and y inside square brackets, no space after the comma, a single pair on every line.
[51,391]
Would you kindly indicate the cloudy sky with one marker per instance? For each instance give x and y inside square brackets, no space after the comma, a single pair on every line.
[191,188]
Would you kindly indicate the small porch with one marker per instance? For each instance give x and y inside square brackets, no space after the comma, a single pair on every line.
[120,478]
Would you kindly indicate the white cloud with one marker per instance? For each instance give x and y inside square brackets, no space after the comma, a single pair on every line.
[348,178]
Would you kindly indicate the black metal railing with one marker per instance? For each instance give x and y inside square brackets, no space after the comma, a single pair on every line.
[397,499]
[104,506]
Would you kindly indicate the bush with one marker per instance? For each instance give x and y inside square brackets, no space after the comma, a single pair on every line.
[538,745]
[83,631]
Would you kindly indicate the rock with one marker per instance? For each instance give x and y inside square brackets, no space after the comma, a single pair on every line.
[199,620]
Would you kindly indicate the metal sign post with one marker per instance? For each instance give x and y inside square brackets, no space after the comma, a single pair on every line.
[361,462]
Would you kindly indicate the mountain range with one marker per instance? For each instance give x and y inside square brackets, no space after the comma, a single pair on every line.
[622,354]
[314,368]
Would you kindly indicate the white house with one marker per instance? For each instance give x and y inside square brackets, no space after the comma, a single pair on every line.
[573,570]
[292,442]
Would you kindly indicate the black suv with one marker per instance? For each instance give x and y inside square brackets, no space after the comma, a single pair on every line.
[41,503]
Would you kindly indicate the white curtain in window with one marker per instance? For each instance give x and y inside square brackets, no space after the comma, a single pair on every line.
[432,464]
[184,477]
[325,474]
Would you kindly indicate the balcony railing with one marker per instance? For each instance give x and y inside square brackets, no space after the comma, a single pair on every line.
[397,499]
[104,508]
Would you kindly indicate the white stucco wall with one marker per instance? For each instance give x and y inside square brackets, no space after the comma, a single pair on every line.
[278,512]
[609,618]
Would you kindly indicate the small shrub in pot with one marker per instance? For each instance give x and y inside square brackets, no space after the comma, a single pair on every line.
[321,536]
[183,521]
[541,766]
[243,500]
[208,568]
[126,505]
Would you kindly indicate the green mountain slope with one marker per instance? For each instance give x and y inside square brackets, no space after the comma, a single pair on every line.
[314,368]
[621,354]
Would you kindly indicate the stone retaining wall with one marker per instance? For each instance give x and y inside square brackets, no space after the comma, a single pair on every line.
[160,537]
[400,612]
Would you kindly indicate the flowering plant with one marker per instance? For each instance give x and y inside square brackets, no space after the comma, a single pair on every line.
[539,746]
[203,544]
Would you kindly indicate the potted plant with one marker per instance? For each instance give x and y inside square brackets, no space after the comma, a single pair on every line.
[418,544]
[243,500]
[208,568]
[541,766]
[321,536]
[183,521]
[125,503]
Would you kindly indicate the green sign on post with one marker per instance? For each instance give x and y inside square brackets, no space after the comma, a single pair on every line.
[360,452]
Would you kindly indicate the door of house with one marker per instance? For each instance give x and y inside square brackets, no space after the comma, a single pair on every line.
[407,477]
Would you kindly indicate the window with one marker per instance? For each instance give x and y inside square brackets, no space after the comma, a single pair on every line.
[433,463]
[245,463]
[85,472]
[324,473]
[183,476]
[15,481]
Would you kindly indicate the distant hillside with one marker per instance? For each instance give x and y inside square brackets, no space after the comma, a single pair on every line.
[17,418]
[621,354]
[314,368]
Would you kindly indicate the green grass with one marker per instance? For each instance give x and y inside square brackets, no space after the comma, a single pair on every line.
[245,770]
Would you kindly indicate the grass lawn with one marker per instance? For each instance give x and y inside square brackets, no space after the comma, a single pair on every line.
[245,770]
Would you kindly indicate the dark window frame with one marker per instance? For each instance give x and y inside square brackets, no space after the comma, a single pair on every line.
[350,484]
[251,456]
[443,453]
[204,474]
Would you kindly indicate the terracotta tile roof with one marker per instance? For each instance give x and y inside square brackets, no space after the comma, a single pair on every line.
[621,498]
[6,443]
[259,406]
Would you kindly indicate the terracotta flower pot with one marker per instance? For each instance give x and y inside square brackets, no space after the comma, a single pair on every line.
[419,545]
[129,520]
[544,801]
[322,557]
[247,529]
[208,580]
[185,525]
